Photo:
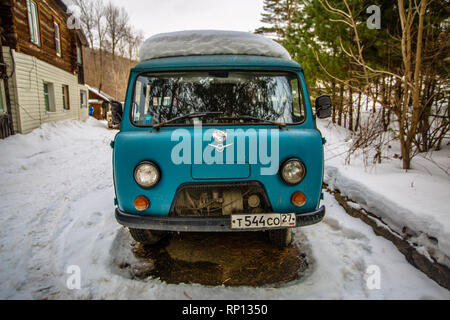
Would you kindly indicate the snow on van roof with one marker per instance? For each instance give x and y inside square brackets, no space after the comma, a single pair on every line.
[210,42]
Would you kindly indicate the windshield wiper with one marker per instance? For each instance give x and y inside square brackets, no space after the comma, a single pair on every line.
[186,116]
[247,117]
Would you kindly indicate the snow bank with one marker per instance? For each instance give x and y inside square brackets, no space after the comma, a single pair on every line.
[18,150]
[417,200]
[210,42]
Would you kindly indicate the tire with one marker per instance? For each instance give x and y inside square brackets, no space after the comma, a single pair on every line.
[281,237]
[146,237]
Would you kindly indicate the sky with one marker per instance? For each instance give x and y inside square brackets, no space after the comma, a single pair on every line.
[156,16]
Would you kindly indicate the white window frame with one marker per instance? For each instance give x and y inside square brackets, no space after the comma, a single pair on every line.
[83,98]
[50,95]
[65,94]
[57,39]
[33,21]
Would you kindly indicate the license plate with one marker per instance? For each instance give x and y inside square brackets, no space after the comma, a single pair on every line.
[267,220]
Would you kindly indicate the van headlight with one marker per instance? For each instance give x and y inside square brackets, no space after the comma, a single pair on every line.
[292,171]
[147,174]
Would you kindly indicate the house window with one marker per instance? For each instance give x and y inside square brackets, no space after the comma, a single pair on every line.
[57,40]
[83,99]
[46,97]
[33,22]
[49,97]
[79,56]
[65,96]
[2,99]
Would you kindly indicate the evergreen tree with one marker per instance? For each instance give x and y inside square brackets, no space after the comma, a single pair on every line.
[341,55]
[278,14]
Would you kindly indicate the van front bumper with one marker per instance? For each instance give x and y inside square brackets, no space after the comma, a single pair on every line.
[202,224]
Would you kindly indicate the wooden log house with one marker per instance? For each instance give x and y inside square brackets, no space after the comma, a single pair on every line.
[41,65]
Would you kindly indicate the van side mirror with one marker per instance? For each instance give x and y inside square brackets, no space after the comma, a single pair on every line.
[116,112]
[323,106]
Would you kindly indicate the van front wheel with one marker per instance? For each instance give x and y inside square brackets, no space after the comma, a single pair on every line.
[281,237]
[146,237]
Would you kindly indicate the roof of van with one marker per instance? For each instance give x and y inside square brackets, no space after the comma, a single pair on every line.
[210,62]
[210,42]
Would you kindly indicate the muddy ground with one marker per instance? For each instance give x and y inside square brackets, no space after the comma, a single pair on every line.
[230,259]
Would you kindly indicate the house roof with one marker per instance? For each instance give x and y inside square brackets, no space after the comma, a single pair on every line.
[82,37]
[99,93]
[64,5]
[95,101]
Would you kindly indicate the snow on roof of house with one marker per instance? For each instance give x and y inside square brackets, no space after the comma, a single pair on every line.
[210,42]
[100,93]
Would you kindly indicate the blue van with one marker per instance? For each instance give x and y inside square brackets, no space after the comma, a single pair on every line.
[218,142]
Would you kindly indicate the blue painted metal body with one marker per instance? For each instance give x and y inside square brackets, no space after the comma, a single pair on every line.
[135,144]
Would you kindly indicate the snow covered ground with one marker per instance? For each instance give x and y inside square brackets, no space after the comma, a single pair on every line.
[56,196]
[417,200]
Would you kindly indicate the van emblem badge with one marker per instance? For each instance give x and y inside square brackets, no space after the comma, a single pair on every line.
[219,136]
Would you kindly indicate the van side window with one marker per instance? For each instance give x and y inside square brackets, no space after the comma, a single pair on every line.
[144,103]
[297,100]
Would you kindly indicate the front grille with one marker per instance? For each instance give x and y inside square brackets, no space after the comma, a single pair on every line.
[220,199]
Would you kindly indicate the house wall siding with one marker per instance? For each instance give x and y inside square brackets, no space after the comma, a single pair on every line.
[28,85]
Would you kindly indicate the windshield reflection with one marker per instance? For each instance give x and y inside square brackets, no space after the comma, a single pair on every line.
[264,95]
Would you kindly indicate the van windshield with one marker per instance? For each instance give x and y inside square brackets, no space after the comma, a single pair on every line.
[228,97]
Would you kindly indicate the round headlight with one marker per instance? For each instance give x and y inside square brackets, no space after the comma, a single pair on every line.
[293,171]
[146,174]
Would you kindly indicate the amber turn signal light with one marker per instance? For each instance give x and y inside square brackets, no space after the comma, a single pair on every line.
[141,203]
[298,199]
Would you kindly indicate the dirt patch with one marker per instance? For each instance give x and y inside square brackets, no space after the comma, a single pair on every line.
[230,259]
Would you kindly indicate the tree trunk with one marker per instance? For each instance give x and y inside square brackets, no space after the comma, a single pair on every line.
[341,102]
[424,122]
[333,99]
[350,109]
[374,107]
[358,111]
[415,89]
[384,99]
[389,103]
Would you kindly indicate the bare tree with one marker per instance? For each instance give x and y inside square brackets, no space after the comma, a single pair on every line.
[407,107]
[122,46]
[110,35]
[99,23]
[133,40]
[87,19]
[107,28]
[116,25]
[411,76]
